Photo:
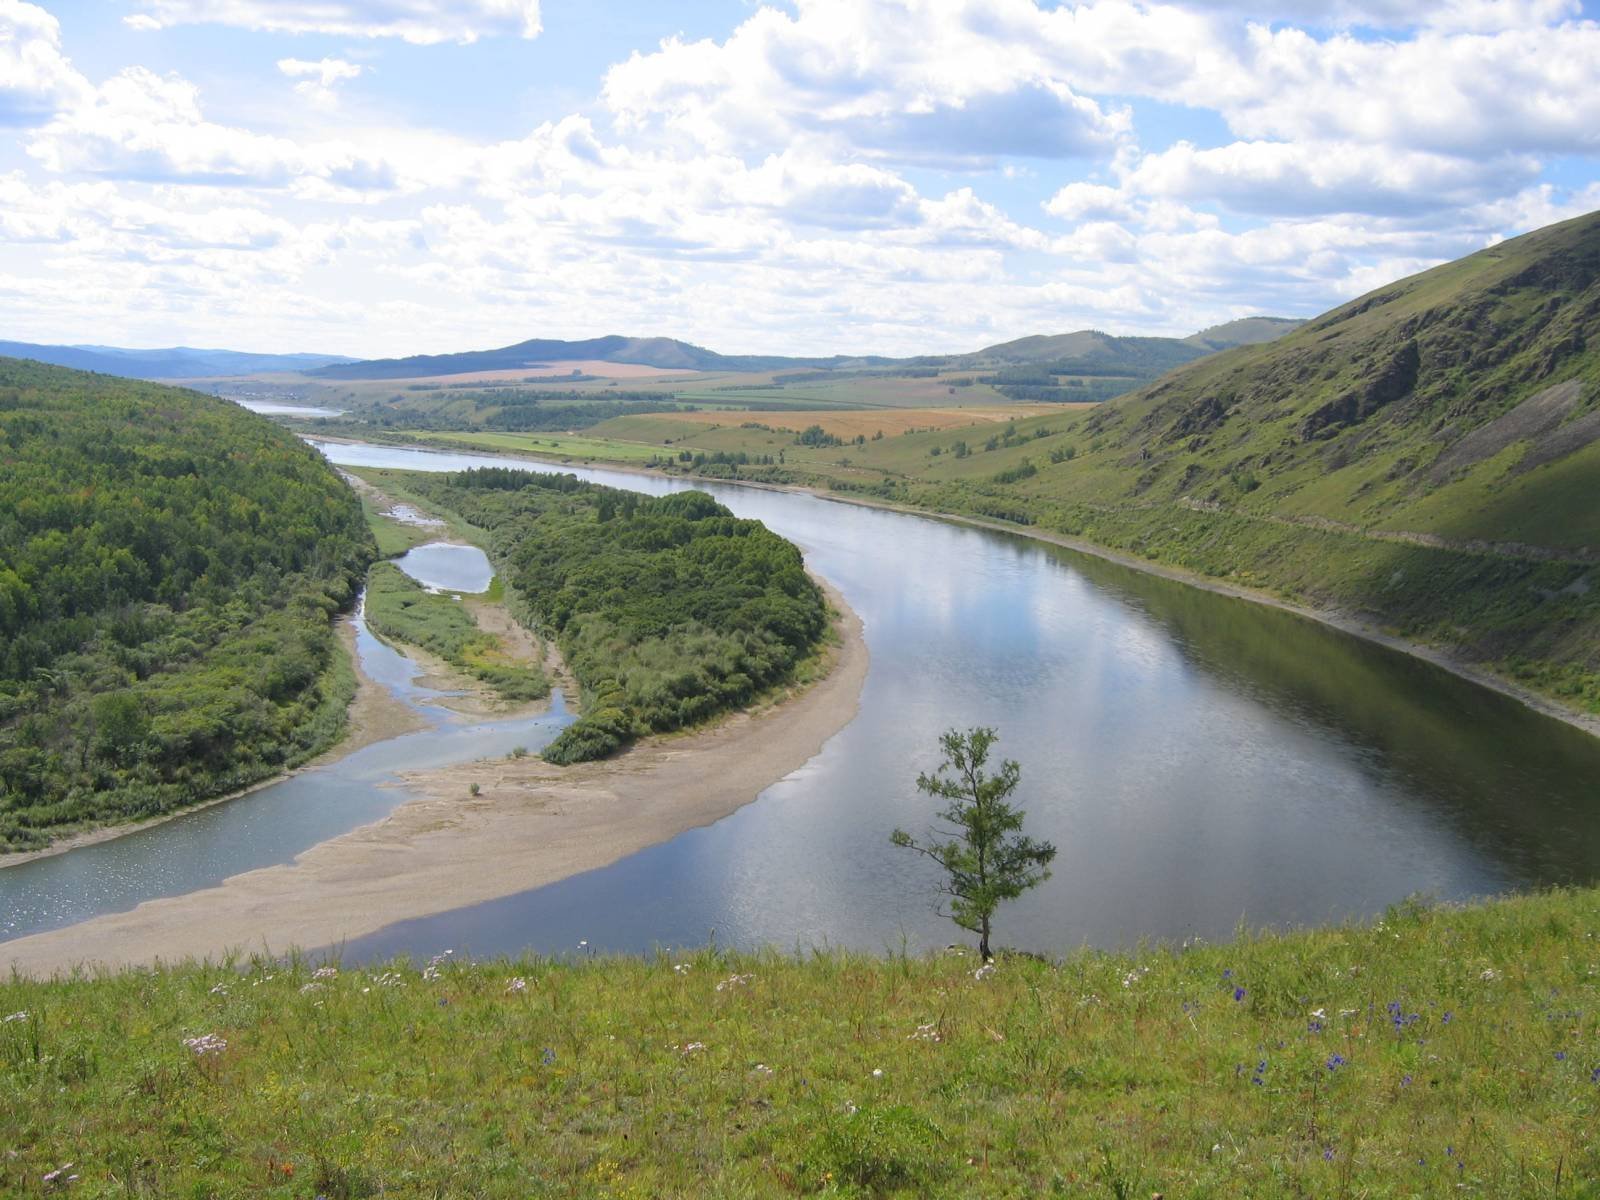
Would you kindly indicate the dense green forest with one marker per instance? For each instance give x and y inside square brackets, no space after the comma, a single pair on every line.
[668,610]
[399,607]
[168,567]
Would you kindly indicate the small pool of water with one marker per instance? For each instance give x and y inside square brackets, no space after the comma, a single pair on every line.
[448,567]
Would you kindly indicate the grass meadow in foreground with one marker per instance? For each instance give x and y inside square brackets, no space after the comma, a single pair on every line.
[1433,1053]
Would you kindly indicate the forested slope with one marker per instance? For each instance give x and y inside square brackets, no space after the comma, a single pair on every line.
[169,564]
[669,610]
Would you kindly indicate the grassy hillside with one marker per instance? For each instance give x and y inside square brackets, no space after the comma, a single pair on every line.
[1425,457]
[168,567]
[1429,1054]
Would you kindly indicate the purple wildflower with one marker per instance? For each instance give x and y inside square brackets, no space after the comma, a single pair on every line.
[1335,1061]
[1238,994]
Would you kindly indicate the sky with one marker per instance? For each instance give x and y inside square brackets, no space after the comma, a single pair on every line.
[386,177]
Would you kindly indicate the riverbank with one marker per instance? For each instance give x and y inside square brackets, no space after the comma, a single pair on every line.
[1355,626]
[374,715]
[530,824]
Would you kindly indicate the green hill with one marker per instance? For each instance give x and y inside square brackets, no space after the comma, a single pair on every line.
[1424,456]
[168,566]
[1246,331]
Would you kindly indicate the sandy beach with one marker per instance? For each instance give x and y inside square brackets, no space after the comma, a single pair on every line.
[530,824]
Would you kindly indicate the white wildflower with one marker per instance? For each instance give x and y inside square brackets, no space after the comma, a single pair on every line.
[877,1072]
[325,973]
[1489,974]
[1319,1014]
[309,988]
[761,1069]
[691,1048]
[1348,1012]
[681,968]
[16,1016]
[220,989]
[206,1043]
[1133,976]
[733,981]
[59,1176]
[926,1033]
[516,984]
[984,972]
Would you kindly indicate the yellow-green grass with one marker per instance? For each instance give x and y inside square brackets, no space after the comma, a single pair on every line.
[1433,1053]
[393,537]
[845,424]
[555,445]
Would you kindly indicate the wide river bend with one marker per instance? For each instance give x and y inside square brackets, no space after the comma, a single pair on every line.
[1200,761]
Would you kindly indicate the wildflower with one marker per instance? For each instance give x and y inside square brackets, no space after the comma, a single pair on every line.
[877,1072]
[1319,1014]
[1488,974]
[1448,1017]
[548,1058]
[1133,976]
[1327,1155]
[59,1176]
[733,981]
[1335,1061]
[1227,973]
[220,989]
[1405,1081]
[325,973]
[761,1069]
[926,1033]
[517,984]
[1239,994]
[1348,1012]
[987,970]
[1314,1026]
[692,1048]
[206,1043]
[431,971]
[16,1016]
[1561,1056]
[680,968]
[310,987]
[1594,1075]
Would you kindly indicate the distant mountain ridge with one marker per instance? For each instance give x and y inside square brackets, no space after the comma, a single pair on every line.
[176,362]
[666,353]
[1141,356]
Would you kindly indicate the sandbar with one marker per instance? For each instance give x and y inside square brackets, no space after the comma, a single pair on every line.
[531,824]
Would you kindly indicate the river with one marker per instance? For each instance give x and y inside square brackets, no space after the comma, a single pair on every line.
[1200,761]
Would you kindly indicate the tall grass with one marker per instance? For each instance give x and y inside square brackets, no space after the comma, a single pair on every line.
[1433,1053]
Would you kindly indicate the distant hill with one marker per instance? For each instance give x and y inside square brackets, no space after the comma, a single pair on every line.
[1090,352]
[1246,331]
[177,362]
[666,353]
[1087,351]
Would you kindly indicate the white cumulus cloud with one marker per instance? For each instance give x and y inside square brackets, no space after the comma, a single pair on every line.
[947,81]
[36,80]
[424,22]
[319,81]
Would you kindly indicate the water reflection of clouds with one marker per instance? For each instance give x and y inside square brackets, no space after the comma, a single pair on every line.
[1188,778]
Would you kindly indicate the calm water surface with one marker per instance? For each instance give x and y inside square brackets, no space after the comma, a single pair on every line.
[1199,761]
[267,827]
[447,566]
